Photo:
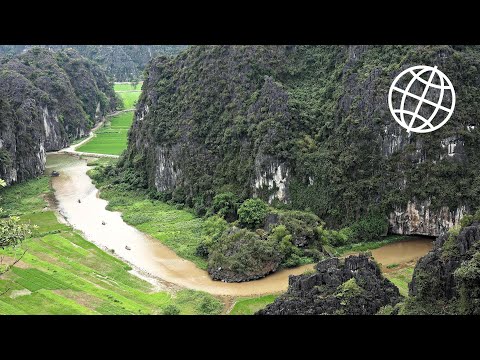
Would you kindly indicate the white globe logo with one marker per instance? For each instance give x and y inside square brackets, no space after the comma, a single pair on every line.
[421,99]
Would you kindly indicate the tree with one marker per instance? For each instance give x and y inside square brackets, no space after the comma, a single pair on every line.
[252,213]
[225,205]
[12,233]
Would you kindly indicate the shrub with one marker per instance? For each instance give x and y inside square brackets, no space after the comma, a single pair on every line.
[334,237]
[226,205]
[213,227]
[469,219]
[171,310]
[209,305]
[252,213]
[136,218]
[243,254]
[301,225]
[370,228]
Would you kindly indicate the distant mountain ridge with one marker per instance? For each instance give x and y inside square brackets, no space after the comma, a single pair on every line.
[120,62]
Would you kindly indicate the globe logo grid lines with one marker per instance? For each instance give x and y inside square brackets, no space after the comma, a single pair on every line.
[440,112]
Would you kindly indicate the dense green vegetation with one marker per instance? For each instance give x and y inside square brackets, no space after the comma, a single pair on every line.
[447,280]
[12,233]
[62,273]
[120,62]
[47,100]
[111,138]
[234,111]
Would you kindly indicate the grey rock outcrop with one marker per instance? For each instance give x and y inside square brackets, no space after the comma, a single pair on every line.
[354,286]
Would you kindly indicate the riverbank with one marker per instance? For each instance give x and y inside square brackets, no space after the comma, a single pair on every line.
[149,259]
[148,253]
[62,273]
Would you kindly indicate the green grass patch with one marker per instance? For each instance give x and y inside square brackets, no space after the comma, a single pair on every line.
[392,266]
[25,197]
[111,138]
[62,273]
[401,278]
[129,99]
[127,86]
[179,229]
[249,306]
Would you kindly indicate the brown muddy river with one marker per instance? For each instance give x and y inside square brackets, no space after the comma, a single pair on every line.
[403,251]
[150,255]
[146,254]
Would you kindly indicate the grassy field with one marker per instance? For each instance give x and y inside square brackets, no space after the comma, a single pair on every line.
[401,276]
[249,306]
[129,99]
[179,229]
[126,87]
[62,273]
[112,138]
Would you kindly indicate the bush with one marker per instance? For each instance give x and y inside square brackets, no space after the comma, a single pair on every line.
[209,305]
[213,227]
[137,218]
[333,237]
[301,225]
[252,213]
[371,228]
[242,255]
[226,205]
[467,220]
[171,310]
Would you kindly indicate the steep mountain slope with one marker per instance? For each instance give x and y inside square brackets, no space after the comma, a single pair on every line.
[47,99]
[308,127]
[120,62]
[447,279]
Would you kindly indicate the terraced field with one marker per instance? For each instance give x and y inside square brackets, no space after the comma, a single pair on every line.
[62,273]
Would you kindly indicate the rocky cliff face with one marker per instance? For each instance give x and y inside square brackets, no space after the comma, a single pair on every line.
[47,99]
[417,218]
[309,126]
[446,280]
[353,286]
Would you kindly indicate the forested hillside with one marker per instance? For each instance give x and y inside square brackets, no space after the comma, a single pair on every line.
[308,127]
[47,100]
[120,62]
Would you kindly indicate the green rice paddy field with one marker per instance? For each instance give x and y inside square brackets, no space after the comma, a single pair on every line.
[62,273]
[127,86]
[129,99]
[111,138]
